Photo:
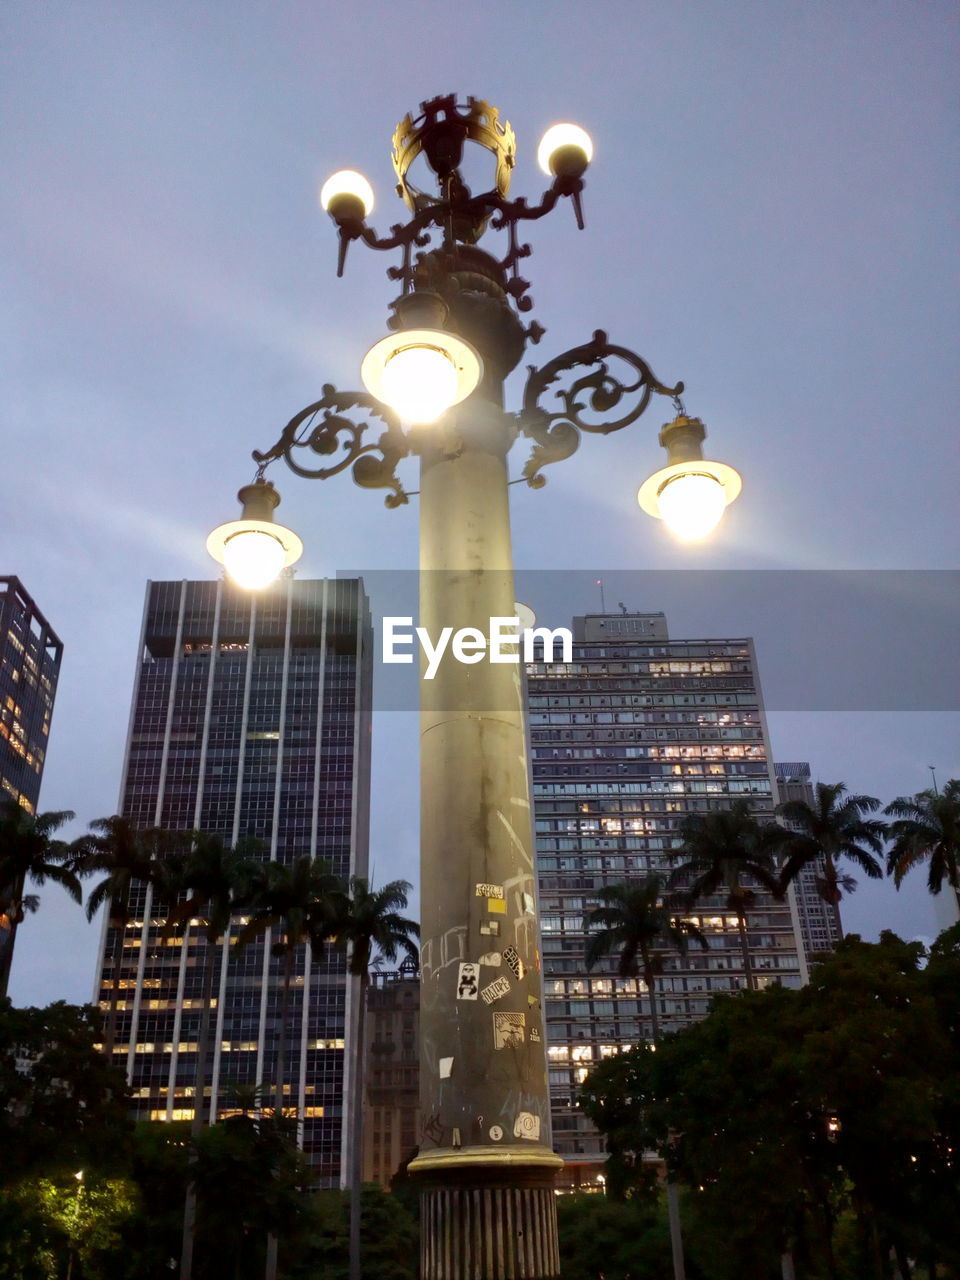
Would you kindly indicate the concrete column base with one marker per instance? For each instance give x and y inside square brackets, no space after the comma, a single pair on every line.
[487,1231]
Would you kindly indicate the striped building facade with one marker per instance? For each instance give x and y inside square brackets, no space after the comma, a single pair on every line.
[251,716]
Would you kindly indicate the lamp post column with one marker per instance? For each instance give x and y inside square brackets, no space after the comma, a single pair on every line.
[488,1207]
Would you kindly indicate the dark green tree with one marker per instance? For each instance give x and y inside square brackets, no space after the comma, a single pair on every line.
[614,1239]
[838,1099]
[63,1107]
[126,856]
[638,923]
[390,1235]
[371,921]
[926,828]
[300,902]
[834,827]
[28,852]
[209,883]
[720,851]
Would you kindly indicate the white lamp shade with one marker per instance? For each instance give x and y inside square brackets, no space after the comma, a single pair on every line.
[253,552]
[690,497]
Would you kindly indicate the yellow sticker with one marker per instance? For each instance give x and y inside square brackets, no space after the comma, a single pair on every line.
[497,906]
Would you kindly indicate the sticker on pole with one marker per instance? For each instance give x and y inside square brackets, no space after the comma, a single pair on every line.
[468,982]
[515,964]
[508,1029]
[497,989]
[527,1126]
[492,958]
[489,890]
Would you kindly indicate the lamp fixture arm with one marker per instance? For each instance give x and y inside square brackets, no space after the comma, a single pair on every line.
[556,431]
[322,428]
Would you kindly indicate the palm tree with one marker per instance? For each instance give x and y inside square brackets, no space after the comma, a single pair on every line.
[927,829]
[371,920]
[296,901]
[301,902]
[635,921]
[27,852]
[126,855]
[214,877]
[720,849]
[835,826]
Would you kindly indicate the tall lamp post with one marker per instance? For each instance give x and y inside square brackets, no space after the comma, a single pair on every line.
[436,386]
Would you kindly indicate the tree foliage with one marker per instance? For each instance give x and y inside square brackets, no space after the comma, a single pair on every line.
[803,1105]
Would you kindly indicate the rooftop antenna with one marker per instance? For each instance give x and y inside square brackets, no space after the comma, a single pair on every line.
[603,605]
[622,607]
[933,775]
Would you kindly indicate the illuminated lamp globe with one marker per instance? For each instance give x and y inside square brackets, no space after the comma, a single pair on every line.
[346,195]
[565,150]
[255,548]
[421,373]
[690,497]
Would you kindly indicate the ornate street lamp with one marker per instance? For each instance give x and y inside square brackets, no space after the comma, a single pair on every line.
[457,331]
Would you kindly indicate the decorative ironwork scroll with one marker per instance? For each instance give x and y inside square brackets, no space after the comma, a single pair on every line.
[556,432]
[322,429]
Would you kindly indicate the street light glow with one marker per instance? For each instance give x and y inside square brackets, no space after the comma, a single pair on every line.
[420,383]
[255,548]
[421,373]
[692,505]
[346,193]
[252,558]
[565,150]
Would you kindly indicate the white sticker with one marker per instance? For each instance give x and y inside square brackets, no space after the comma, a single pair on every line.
[468,981]
[528,905]
[508,1029]
[446,1068]
[497,989]
[527,1126]
[490,928]
[512,957]
[489,890]
[492,958]
[535,1035]
[496,1133]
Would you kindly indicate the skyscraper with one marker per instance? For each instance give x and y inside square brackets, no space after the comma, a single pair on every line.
[633,734]
[820,928]
[250,717]
[30,654]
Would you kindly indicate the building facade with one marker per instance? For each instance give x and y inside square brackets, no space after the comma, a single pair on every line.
[820,927]
[251,717]
[391,1101]
[30,655]
[633,734]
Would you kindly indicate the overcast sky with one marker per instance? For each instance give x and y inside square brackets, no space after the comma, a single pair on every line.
[770,217]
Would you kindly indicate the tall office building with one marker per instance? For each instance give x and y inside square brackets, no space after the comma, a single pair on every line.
[30,654]
[251,717]
[820,928]
[633,734]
